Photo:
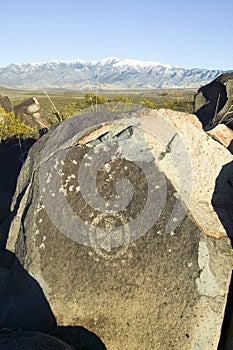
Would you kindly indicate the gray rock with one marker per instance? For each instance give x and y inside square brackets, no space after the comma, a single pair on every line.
[6,104]
[213,103]
[120,273]
[198,167]
[18,340]
[29,113]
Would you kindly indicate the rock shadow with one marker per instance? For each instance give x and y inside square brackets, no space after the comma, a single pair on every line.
[23,306]
[12,156]
[222,198]
[222,201]
[215,96]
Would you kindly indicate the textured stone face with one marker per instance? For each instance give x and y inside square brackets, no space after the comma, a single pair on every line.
[222,134]
[29,113]
[213,103]
[206,157]
[6,104]
[158,290]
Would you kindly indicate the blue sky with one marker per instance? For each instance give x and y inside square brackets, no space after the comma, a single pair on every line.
[183,33]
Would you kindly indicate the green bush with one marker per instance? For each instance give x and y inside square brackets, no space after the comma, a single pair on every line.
[91,99]
[149,104]
[11,126]
[122,99]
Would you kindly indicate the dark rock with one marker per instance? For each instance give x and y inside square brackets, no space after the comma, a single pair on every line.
[29,112]
[156,290]
[22,301]
[12,155]
[230,147]
[6,104]
[213,103]
[222,199]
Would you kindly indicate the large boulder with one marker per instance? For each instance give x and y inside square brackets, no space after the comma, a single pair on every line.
[144,262]
[213,103]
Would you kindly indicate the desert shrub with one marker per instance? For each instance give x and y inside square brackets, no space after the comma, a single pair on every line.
[92,99]
[149,104]
[124,99]
[69,110]
[11,125]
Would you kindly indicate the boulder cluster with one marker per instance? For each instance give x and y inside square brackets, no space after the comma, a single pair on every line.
[116,232]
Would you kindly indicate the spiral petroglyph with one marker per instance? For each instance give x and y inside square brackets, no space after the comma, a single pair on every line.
[116,180]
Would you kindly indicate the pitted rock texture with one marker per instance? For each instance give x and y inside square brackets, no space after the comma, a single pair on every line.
[161,290]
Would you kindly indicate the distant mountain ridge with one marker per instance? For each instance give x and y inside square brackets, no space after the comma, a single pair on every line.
[108,73]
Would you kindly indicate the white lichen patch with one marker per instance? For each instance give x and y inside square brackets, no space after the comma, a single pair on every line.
[71,188]
[87,156]
[49,177]
[40,206]
[74,162]
[77,189]
[56,164]
[37,232]
[68,179]
[60,172]
[63,190]
[107,167]
[42,246]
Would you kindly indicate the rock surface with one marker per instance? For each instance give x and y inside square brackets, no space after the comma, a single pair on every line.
[163,289]
[206,156]
[6,104]
[222,134]
[29,112]
[213,103]
[13,340]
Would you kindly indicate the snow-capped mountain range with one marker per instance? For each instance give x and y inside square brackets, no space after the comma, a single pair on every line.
[108,73]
